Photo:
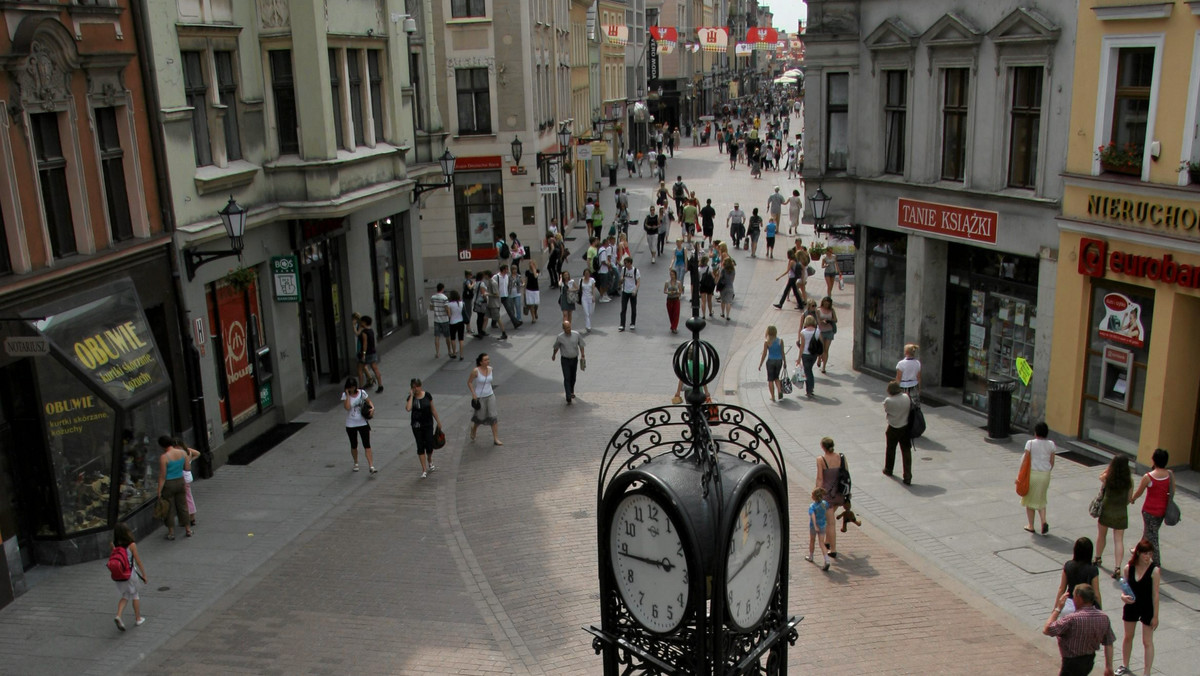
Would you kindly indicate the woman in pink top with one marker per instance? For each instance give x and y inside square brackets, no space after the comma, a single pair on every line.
[1157,484]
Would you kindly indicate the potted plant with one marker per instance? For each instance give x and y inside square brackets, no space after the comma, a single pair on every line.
[1193,170]
[816,250]
[1123,159]
[241,277]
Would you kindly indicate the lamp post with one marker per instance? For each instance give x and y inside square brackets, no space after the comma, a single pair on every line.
[562,157]
[820,206]
[516,150]
[447,163]
[233,217]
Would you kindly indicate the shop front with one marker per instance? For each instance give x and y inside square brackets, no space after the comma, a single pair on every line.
[1124,374]
[85,415]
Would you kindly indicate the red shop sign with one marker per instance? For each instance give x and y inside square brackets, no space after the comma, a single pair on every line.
[974,225]
[473,163]
[1095,260]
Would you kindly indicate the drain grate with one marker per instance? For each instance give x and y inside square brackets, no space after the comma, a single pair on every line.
[1085,460]
[263,443]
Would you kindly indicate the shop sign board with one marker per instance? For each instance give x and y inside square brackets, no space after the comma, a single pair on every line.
[973,225]
[1141,212]
[547,189]
[1122,321]
[583,151]
[285,273]
[26,346]
[1095,260]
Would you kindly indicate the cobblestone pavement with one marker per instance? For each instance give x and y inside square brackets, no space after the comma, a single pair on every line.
[488,567]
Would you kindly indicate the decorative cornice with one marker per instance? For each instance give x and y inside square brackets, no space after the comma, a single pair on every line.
[1157,10]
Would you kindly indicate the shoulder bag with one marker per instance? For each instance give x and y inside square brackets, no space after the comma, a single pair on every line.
[439,438]
[1023,475]
[916,420]
[1097,504]
[785,383]
[1171,516]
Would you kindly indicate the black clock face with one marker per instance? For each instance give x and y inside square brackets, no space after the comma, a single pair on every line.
[648,563]
[755,551]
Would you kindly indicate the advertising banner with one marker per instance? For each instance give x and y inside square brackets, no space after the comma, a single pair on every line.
[1122,321]
[231,311]
[974,225]
[713,38]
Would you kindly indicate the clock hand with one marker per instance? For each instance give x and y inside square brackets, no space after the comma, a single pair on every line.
[746,561]
[665,564]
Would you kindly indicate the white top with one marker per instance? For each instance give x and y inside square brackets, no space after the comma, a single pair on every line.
[354,417]
[629,279]
[585,287]
[455,309]
[588,210]
[807,336]
[483,383]
[1040,452]
[910,371]
[438,303]
[605,254]
[502,284]
[793,203]
[896,408]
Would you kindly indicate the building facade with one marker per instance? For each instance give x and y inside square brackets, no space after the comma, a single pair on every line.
[91,368]
[941,135]
[1123,372]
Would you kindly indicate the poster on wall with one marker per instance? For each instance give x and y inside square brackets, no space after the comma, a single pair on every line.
[232,311]
[481,228]
[1122,321]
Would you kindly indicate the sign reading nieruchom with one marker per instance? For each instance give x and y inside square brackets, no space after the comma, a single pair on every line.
[974,225]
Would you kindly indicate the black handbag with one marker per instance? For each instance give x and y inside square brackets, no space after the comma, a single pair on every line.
[439,438]
[916,421]
[475,404]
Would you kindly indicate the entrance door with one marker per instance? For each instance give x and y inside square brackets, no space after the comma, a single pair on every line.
[320,316]
[26,497]
[956,337]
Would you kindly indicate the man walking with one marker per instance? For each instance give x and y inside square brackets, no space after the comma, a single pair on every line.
[775,206]
[441,322]
[630,280]
[896,408]
[679,192]
[736,222]
[1081,633]
[570,343]
[502,281]
[597,221]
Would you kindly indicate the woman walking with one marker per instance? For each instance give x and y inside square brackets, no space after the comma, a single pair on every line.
[772,354]
[679,262]
[827,478]
[708,285]
[1116,485]
[1079,570]
[725,286]
[358,411]
[127,588]
[1142,574]
[827,325]
[567,295]
[1157,483]
[483,398]
[1041,462]
[171,486]
[587,293]
[532,295]
[480,304]
[829,264]
[908,374]
[674,290]
[454,307]
[808,333]
[420,405]
[554,259]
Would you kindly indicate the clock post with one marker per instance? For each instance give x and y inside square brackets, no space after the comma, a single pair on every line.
[692,534]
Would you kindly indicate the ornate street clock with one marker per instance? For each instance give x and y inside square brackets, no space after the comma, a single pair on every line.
[692,536]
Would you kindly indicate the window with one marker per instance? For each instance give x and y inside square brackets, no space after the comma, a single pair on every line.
[895,113]
[461,9]
[1026,114]
[375,86]
[227,95]
[418,108]
[112,166]
[5,259]
[52,174]
[335,88]
[195,90]
[837,115]
[954,124]
[354,84]
[474,101]
[1131,105]
[479,210]
[283,90]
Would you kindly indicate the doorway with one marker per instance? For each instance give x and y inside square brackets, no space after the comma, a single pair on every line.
[323,341]
[956,337]
[26,483]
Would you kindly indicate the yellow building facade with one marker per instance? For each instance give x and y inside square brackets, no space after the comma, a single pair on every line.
[1124,370]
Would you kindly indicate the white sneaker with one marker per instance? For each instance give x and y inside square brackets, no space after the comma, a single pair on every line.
[424,475]
[356,467]
[633,327]
[140,622]
[432,468]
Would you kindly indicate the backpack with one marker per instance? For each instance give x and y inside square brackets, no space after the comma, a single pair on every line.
[118,564]
[504,252]
[596,263]
[843,478]
[815,347]
[678,188]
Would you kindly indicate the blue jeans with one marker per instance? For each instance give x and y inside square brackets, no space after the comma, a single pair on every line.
[808,360]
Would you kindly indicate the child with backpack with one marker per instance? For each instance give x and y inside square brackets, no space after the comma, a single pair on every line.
[817,522]
[123,564]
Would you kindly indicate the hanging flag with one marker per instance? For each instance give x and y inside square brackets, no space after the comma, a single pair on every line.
[762,38]
[743,49]
[694,47]
[713,38]
[667,38]
[616,34]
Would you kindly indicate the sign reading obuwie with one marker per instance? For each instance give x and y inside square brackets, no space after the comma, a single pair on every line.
[974,225]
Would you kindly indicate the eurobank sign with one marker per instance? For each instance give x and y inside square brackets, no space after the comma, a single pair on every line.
[1097,260]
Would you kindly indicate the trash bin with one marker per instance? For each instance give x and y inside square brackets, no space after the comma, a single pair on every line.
[612,174]
[1000,389]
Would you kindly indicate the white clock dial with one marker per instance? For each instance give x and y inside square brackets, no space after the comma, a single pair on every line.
[648,562]
[755,550]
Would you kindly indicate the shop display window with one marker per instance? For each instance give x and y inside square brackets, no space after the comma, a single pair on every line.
[389,272]
[1118,349]
[883,328]
[138,463]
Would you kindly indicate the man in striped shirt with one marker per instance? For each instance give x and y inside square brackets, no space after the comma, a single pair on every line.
[1081,633]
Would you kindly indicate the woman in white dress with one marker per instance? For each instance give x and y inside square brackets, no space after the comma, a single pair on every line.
[587,298]
[483,398]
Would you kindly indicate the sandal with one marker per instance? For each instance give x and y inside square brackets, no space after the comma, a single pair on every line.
[1030,530]
[170,536]
[1096,562]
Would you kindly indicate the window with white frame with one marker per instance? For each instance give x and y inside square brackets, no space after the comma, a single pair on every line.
[1129,79]
[210,87]
[463,9]
[474,98]
[954,123]
[1131,99]
[837,120]
[1025,117]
